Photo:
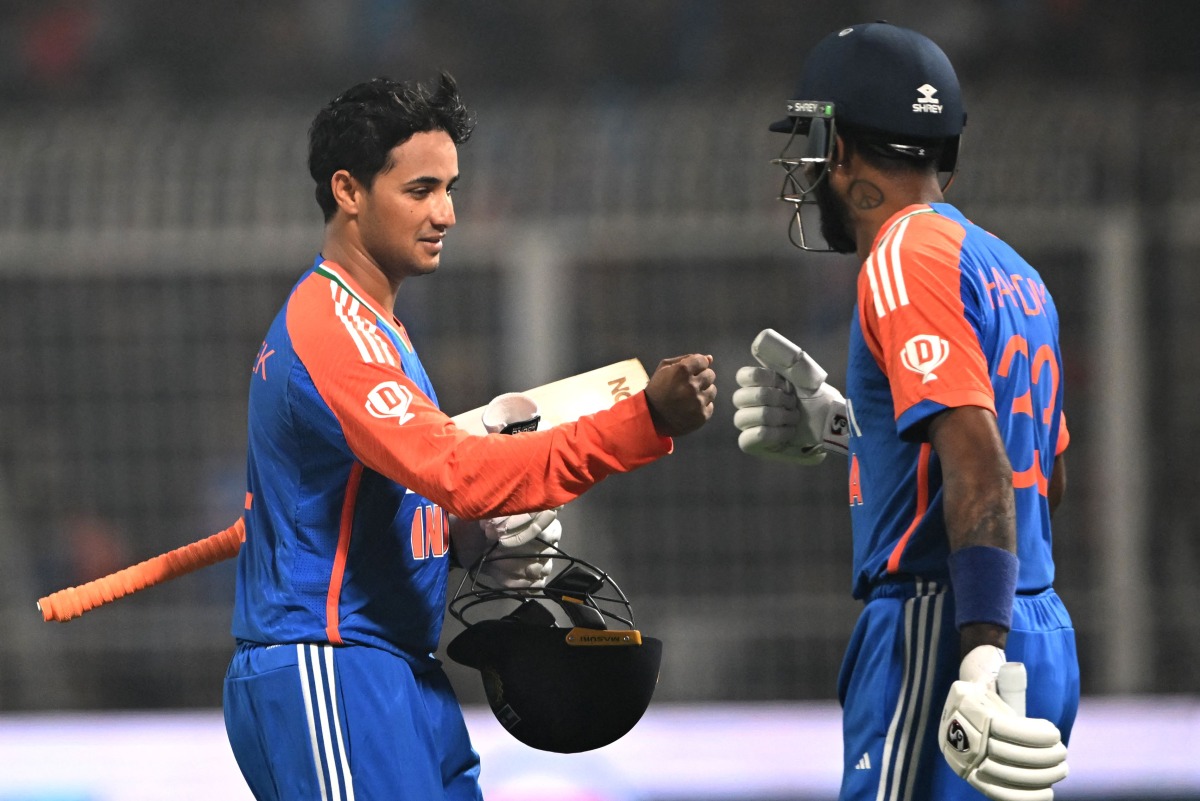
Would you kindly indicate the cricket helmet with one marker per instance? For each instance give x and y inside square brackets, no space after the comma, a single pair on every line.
[563,667]
[890,88]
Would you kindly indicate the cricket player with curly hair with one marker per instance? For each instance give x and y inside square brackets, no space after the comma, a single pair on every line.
[961,679]
[361,492]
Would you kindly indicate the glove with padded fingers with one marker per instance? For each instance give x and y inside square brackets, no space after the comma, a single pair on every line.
[785,410]
[1000,752]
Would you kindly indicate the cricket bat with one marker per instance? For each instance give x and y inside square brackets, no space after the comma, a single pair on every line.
[568,399]
[561,401]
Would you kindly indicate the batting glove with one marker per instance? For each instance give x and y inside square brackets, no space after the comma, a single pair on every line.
[523,566]
[511,413]
[1000,752]
[784,409]
[514,530]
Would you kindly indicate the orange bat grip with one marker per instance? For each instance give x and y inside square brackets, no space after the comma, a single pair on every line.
[74,601]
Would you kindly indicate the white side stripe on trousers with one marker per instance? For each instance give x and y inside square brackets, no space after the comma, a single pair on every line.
[922,626]
[324,723]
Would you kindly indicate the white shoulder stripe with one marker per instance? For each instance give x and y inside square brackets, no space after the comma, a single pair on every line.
[897,267]
[886,267]
[885,270]
[372,346]
[879,310]
[340,310]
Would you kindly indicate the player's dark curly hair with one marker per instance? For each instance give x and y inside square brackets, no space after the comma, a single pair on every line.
[357,130]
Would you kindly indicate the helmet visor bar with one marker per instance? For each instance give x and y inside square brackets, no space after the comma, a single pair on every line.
[806,154]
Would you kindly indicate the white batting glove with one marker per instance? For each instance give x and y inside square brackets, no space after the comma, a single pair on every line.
[1003,754]
[511,413]
[514,530]
[526,566]
[785,410]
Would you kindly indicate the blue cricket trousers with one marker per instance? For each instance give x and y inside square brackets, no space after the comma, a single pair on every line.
[902,658]
[324,723]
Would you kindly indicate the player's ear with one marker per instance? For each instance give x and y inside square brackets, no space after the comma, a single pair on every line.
[841,151]
[347,191]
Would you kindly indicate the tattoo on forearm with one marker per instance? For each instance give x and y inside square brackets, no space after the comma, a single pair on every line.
[865,195]
[996,528]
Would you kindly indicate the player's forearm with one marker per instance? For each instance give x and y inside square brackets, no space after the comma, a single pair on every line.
[983,518]
[980,520]
[980,515]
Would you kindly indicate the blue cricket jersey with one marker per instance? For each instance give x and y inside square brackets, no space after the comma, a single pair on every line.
[948,315]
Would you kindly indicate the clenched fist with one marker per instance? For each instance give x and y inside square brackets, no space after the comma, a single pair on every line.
[681,393]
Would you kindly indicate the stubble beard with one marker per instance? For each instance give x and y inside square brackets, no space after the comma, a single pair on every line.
[835,219]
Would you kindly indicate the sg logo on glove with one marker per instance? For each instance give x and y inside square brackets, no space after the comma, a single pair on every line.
[956,737]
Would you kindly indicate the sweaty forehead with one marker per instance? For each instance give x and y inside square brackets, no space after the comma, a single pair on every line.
[428,154]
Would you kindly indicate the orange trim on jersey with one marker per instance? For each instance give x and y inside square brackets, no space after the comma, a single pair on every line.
[345,528]
[1064,436]
[1033,476]
[249,500]
[893,563]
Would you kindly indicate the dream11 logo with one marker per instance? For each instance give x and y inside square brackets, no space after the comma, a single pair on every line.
[925,353]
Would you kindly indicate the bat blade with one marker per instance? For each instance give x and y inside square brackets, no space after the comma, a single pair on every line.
[568,399]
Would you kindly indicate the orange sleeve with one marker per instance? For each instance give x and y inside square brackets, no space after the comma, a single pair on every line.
[393,428]
[914,322]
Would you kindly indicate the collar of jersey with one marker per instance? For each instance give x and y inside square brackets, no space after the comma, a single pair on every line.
[896,219]
[326,269]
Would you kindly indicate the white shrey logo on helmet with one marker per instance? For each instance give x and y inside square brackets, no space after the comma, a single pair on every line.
[390,399]
[925,353]
[927,102]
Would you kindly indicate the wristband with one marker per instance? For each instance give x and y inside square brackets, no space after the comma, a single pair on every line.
[985,581]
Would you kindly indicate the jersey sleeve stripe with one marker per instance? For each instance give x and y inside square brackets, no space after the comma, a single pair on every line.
[339,308]
[884,269]
[887,266]
[326,270]
[370,331]
[346,526]
[372,346]
[879,310]
[897,272]
[348,309]
[893,563]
